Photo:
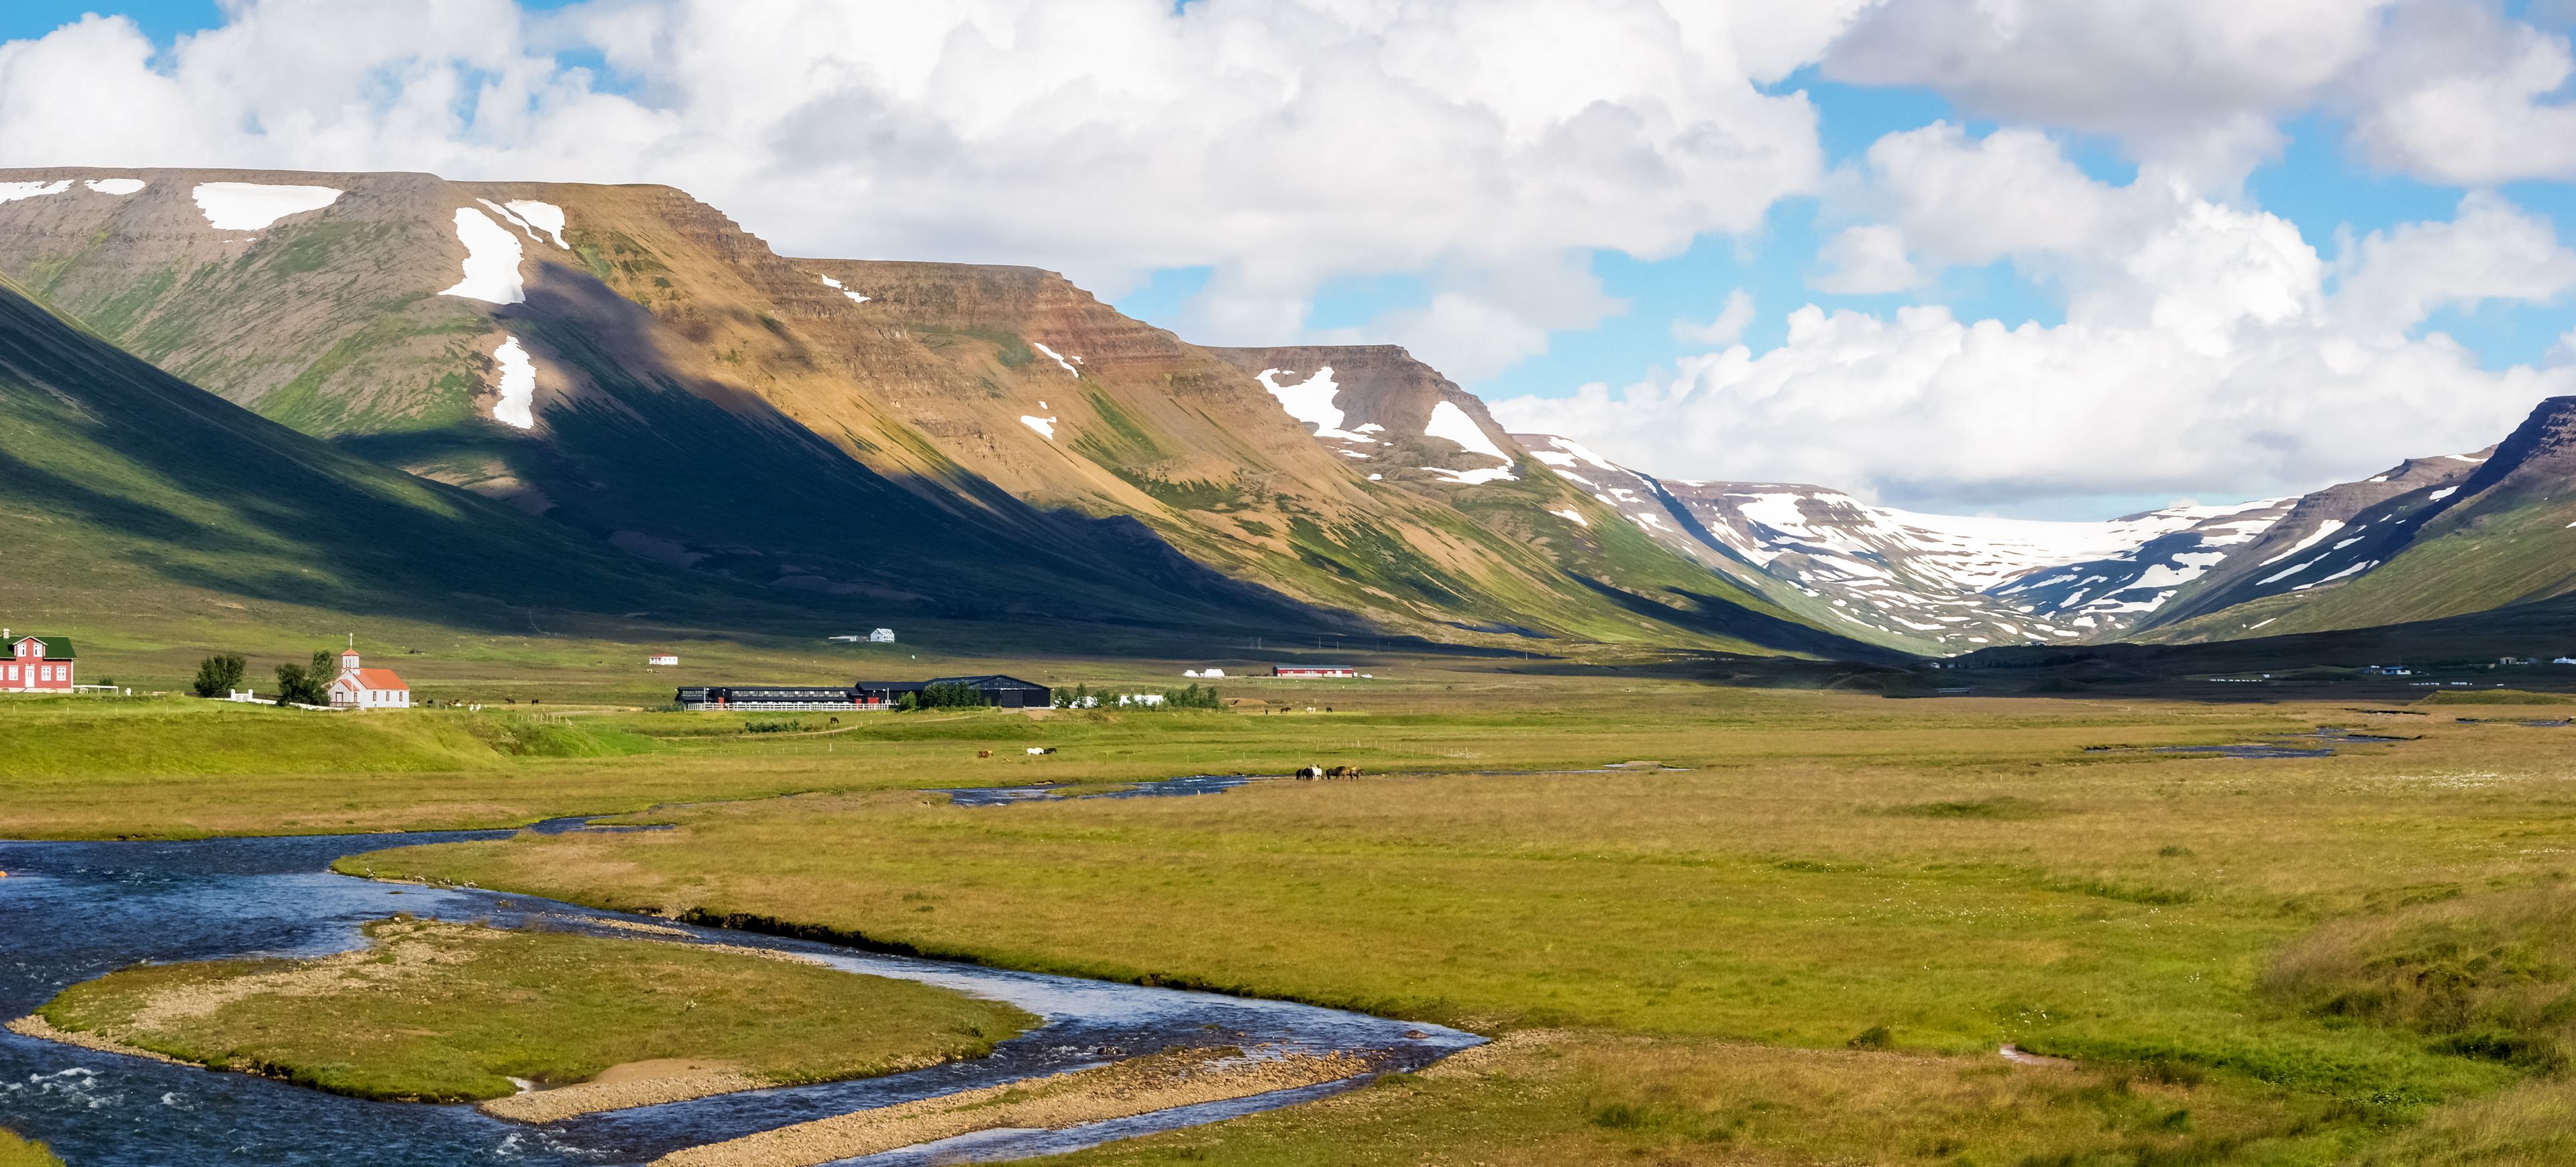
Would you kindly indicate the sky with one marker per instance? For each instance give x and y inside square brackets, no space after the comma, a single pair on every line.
[2015,257]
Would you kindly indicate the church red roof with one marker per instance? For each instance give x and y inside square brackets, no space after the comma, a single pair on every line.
[380,679]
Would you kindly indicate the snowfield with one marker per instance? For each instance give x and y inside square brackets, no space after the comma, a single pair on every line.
[545,217]
[1450,422]
[1045,426]
[517,406]
[492,256]
[116,186]
[252,206]
[1311,401]
[11,192]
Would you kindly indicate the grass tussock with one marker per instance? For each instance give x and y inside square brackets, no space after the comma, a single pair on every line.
[18,1152]
[437,1012]
[2530,1125]
[2489,976]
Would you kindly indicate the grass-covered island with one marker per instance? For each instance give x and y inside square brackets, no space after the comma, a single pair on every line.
[443,1012]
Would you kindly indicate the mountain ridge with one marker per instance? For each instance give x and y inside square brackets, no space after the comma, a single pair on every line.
[630,364]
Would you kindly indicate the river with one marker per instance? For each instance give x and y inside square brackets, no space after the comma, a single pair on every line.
[72,911]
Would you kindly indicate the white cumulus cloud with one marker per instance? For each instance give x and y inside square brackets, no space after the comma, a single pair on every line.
[1281,143]
[2206,347]
[1726,328]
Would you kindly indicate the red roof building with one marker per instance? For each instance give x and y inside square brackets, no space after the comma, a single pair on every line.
[364,688]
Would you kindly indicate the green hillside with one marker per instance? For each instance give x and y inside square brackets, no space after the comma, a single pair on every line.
[127,488]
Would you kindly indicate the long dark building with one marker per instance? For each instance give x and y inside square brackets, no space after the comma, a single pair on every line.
[997,690]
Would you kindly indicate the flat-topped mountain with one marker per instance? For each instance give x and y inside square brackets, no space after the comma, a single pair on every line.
[979,441]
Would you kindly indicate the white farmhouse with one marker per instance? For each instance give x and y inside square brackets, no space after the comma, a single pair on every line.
[362,688]
[881,636]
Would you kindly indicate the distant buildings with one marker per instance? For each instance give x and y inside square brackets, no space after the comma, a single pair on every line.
[881,636]
[996,690]
[364,688]
[1313,671]
[37,664]
[662,658]
[1202,672]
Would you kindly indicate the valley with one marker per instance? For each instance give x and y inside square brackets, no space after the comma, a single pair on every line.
[1677,820]
[1698,923]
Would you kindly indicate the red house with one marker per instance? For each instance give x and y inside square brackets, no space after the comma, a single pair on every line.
[37,664]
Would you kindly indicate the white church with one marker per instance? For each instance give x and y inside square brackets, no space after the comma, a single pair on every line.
[363,688]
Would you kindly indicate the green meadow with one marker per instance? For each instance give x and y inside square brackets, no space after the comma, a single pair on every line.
[1703,924]
[451,1013]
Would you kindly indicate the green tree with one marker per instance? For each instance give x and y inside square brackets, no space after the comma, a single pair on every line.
[1192,697]
[307,684]
[951,695]
[218,674]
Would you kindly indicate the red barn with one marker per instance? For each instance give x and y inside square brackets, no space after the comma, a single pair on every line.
[37,664]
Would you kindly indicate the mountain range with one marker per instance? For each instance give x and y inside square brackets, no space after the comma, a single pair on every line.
[627,385]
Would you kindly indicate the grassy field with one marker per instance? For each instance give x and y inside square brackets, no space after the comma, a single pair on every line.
[1835,890]
[178,767]
[1800,938]
[448,1013]
[18,1152]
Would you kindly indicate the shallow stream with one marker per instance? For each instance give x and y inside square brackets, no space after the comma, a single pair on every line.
[73,911]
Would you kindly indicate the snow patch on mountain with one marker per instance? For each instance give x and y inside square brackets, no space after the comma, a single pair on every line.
[1052,355]
[843,289]
[1452,423]
[1473,477]
[2329,527]
[545,217]
[119,187]
[517,406]
[253,206]
[11,192]
[1311,401]
[492,256]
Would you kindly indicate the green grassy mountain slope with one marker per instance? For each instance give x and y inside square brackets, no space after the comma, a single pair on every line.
[123,484]
[2497,535]
[981,442]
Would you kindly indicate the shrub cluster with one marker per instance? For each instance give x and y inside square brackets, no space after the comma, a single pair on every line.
[2489,976]
[1190,697]
[219,675]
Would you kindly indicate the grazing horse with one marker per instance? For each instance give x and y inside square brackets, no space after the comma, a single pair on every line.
[1309,773]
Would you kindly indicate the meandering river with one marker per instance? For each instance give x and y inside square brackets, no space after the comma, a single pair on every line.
[72,911]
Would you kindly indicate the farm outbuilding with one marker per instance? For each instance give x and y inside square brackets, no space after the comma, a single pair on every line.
[1005,692]
[1000,691]
[1313,671]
